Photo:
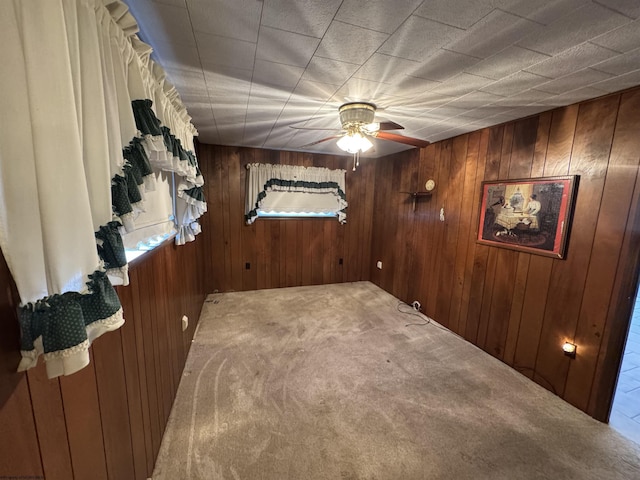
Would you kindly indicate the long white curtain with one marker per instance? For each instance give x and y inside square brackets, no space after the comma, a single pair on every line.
[77,167]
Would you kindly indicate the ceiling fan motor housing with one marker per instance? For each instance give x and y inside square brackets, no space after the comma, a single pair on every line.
[355,114]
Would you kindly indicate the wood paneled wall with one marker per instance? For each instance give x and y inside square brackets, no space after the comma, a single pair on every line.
[516,306]
[106,421]
[288,252]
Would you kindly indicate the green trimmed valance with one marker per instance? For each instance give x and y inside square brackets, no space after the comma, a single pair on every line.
[314,190]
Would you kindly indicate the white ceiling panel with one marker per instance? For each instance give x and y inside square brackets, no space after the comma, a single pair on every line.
[177,55]
[239,19]
[201,113]
[189,81]
[571,60]
[630,8]
[573,96]
[625,63]
[581,78]
[459,13]
[521,98]
[249,69]
[445,115]
[379,15]
[349,43]
[302,138]
[419,38]
[308,92]
[268,94]
[175,3]
[461,85]
[528,110]
[493,33]
[325,70]
[257,132]
[545,12]
[285,47]
[385,68]
[444,64]
[621,39]
[226,52]
[173,21]
[412,88]
[516,83]
[406,108]
[227,88]
[229,115]
[279,139]
[232,133]
[277,74]
[573,29]
[510,60]
[621,82]
[488,111]
[308,17]
[475,100]
[358,89]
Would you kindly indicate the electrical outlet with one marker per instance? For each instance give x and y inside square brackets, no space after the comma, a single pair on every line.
[416,305]
[185,322]
[379,264]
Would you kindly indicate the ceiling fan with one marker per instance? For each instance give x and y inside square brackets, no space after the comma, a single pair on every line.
[357,120]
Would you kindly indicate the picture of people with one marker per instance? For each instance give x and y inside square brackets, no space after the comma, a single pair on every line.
[531,215]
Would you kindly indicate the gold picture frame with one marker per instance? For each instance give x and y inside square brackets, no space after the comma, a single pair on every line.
[529,215]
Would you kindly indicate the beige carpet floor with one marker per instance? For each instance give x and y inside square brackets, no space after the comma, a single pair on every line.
[329,382]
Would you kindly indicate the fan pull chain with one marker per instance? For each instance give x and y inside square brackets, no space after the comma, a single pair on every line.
[356,160]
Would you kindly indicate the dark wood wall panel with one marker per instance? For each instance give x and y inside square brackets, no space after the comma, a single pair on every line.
[521,307]
[84,424]
[48,412]
[107,420]
[287,252]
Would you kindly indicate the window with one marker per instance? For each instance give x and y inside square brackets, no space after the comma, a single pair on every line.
[294,191]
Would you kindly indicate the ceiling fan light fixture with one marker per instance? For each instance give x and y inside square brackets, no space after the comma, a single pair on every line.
[354,143]
[356,114]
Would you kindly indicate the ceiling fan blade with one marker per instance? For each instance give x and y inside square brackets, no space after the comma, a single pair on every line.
[394,137]
[320,141]
[389,125]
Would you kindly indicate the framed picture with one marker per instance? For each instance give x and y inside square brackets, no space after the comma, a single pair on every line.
[530,215]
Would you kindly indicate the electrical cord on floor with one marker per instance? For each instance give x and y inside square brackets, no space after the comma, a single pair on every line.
[412,312]
[428,322]
[527,369]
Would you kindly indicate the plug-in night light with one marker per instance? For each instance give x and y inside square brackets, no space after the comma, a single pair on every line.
[569,349]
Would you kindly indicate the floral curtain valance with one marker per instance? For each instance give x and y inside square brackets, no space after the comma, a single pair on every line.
[316,182]
[90,136]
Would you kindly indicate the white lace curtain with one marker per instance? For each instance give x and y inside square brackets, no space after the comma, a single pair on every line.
[89,126]
[294,189]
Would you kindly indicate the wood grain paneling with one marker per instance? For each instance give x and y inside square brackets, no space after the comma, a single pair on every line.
[273,253]
[48,412]
[521,307]
[105,421]
[19,449]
